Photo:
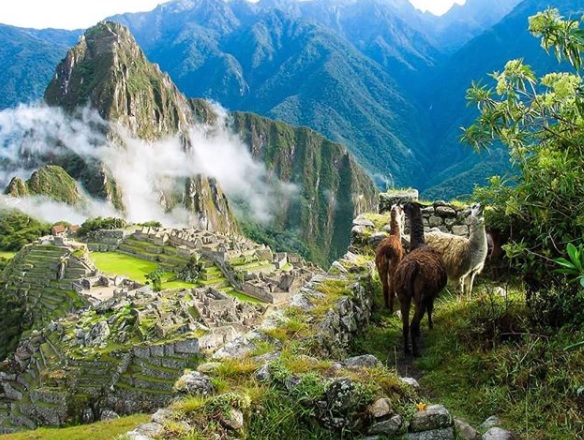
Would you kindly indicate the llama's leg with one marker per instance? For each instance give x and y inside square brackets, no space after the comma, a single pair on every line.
[469,282]
[415,328]
[383,274]
[391,287]
[405,312]
[461,285]
[430,308]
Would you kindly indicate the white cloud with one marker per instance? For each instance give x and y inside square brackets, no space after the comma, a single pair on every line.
[144,171]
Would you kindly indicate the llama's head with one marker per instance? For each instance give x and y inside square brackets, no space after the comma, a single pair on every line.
[397,216]
[476,209]
[476,214]
[413,209]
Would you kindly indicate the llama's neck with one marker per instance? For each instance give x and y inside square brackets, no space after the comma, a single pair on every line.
[478,235]
[416,230]
[394,225]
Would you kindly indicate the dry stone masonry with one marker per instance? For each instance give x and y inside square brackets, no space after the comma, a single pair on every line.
[107,344]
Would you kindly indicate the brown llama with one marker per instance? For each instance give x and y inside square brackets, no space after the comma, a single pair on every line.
[388,254]
[419,277]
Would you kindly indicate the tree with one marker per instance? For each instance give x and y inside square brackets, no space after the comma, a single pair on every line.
[541,122]
[156,278]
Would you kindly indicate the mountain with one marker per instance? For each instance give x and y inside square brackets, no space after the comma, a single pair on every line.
[109,72]
[332,186]
[50,180]
[507,40]
[462,23]
[275,59]
[27,61]
[162,149]
[377,76]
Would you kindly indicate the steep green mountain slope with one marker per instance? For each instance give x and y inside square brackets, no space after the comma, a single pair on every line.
[109,72]
[332,187]
[27,61]
[268,60]
[50,180]
[507,40]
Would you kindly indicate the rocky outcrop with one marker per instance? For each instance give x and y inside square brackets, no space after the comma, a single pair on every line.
[107,71]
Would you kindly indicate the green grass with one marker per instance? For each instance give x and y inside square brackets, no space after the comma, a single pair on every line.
[107,430]
[483,358]
[136,269]
[7,255]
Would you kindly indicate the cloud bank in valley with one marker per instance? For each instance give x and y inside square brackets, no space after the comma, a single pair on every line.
[33,135]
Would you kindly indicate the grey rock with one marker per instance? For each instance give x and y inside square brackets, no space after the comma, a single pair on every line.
[496,433]
[98,334]
[263,374]
[194,384]
[233,419]
[108,414]
[434,434]
[350,257]
[363,222]
[150,429]
[267,357]
[189,346]
[11,393]
[387,427]
[491,422]
[161,416]
[365,361]
[381,408]
[465,431]
[240,346]
[411,381]
[339,267]
[432,418]
[445,211]
[135,435]
[302,302]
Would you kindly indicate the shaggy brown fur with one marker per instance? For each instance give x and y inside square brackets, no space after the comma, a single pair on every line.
[419,277]
[388,254]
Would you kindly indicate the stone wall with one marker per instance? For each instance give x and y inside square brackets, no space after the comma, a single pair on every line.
[446,217]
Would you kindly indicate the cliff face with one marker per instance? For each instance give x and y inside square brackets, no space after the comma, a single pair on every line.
[107,71]
[333,188]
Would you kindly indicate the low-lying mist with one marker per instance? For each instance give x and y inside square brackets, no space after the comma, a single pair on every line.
[31,136]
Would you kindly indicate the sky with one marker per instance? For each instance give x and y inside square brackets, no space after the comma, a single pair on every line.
[76,14]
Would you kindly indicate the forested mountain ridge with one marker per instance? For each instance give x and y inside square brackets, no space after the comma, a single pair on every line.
[377,76]
[151,152]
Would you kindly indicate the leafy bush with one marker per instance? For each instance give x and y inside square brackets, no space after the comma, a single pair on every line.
[18,229]
[98,223]
[541,122]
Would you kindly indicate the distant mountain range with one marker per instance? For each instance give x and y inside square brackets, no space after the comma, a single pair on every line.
[127,140]
[377,76]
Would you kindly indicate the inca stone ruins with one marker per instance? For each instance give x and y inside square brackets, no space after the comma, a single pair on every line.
[111,342]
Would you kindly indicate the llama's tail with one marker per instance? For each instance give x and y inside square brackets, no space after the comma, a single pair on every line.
[409,278]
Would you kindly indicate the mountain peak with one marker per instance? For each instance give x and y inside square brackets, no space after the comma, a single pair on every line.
[108,71]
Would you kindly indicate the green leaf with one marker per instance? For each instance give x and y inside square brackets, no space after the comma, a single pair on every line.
[576,345]
[572,252]
[582,281]
[563,262]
